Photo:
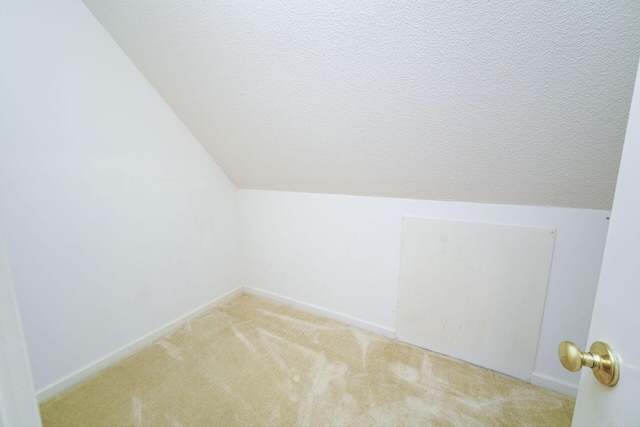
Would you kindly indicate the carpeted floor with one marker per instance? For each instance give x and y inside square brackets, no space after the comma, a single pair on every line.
[254,362]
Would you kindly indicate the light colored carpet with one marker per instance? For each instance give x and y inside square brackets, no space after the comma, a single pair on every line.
[255,362]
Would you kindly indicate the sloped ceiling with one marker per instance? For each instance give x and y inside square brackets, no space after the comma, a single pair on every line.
[518,102]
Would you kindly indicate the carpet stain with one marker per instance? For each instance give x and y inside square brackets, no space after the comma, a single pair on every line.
[255,362]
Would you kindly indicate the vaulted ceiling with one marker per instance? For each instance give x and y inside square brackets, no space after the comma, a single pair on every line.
[518,102]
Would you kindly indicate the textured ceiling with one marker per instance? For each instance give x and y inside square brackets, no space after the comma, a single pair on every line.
[518,102]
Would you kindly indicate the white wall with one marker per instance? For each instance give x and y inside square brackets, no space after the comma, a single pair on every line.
[115,219]
[342,254]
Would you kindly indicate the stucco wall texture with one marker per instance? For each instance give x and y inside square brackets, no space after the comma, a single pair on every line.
[512,102]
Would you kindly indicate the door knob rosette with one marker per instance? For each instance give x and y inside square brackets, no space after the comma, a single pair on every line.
[600,359]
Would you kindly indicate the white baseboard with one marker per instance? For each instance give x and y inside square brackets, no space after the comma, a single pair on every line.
[542,380]
[319,311]
[119,354]
[555,384]
[90,369]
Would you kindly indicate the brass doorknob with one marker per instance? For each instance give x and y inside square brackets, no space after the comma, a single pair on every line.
[600,359]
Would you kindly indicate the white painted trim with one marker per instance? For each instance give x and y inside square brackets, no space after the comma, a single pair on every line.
[90,369]
[18,405]
[319,311]
[119,354]
[555,384]
[542,380]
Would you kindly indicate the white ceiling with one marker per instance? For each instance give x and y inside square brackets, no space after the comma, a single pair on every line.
[518,102]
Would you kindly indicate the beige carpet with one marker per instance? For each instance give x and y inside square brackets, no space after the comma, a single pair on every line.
[255,362]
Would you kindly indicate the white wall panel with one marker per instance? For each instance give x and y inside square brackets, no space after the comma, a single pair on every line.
[474,291]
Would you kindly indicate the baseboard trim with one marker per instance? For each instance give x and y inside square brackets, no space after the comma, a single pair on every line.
[555,384]
[319,311]
[539,379]
[119,354]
